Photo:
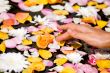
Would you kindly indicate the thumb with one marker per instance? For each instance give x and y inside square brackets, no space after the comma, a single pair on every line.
[77,35]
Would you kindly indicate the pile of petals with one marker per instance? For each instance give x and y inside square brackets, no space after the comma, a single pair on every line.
[28,31]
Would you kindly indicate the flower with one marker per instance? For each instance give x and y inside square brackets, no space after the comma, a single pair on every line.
[60,61]
[4,6]
[106,11]
[68,70]
[12,62]
[20,32]
[74,57]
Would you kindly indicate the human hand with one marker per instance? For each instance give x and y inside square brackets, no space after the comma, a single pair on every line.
[91,35]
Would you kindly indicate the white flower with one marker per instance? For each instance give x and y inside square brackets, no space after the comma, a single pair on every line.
[59,7]
[4,6]
[20,33]
[88,11]
[12,62]
[106,11]
[40,20]
[74,57]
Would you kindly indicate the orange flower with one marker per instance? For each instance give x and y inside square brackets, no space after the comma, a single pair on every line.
[22,17]
[44,40]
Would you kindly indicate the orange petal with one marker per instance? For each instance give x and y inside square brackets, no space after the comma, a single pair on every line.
[21,17]
[54,1]
[68,51]
[8,22]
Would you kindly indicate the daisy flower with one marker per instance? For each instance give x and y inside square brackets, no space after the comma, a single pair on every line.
[12,62]
[4,6]
[20,33]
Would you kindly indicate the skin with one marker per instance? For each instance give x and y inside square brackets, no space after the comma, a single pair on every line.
[93,36]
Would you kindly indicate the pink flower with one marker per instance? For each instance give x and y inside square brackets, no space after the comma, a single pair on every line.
[92,59]
[68,65]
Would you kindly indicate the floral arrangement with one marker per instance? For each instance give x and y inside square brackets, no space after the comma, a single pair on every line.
[28,30]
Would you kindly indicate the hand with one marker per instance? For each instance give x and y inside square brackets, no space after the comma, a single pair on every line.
[91,35]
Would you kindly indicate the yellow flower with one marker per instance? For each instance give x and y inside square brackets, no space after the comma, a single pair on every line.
[26,42]
[68,70]
[103,63]
[30,2]
[2,47]
[61,12]
[28,70]
[34,59]
[60,61]
[3,36]
[45,54]
[101,23]
[22,17]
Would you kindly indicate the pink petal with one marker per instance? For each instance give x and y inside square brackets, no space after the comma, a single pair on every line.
[22,47]
[68,65]
[68,20]
[107,2]
[4,16]
[10,43]
[22,6]
[48,63]
[17,40]
[16,1]
[66,48]
[46,11]
[31,29]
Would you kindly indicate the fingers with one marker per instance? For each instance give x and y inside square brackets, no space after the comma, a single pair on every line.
[78,35]
[67,26]
[64,36]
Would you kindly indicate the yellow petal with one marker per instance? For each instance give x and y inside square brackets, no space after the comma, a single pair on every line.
[30,2]
[61,43]
[68,70]
[38,32]
[48,30]
[42,2]
[34,59]
[76,45]
[26,42]
[54,1]
[89,20]
[61,12]
[27,70]
[92,3]
[103,63]
[38,66]
[101,23]
[60,61]
[101,6]
[2,47]
[3,36]
[45,54]
[76,7]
